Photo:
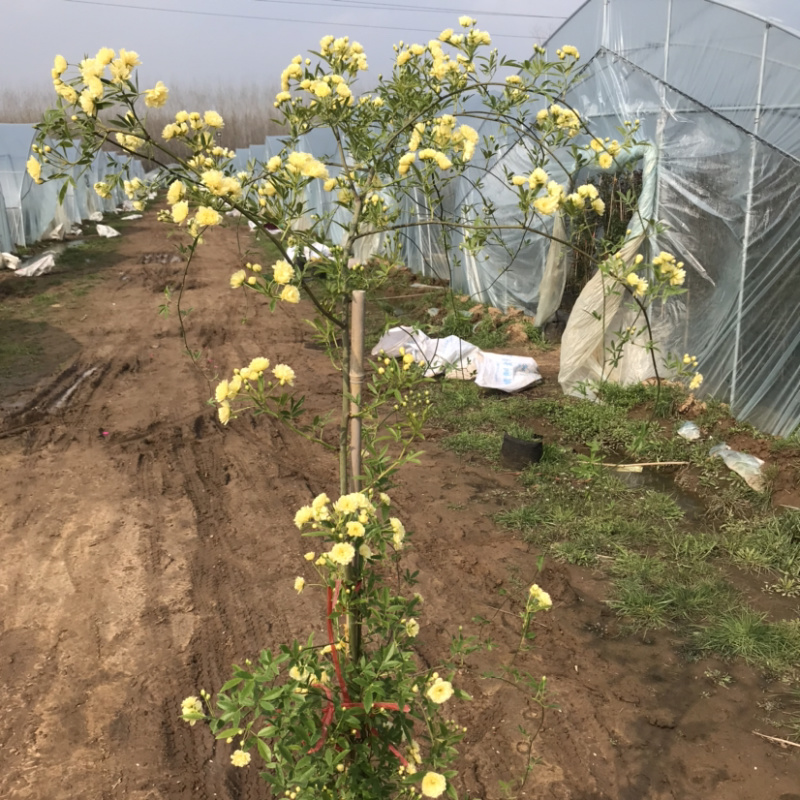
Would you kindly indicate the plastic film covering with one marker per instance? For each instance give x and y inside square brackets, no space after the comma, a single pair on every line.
[738,314]
[6,240]
[725,55]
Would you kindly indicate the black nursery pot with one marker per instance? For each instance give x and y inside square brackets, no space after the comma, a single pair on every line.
[520,453]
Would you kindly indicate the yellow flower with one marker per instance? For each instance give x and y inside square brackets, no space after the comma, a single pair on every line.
[86,103]
[466,22]
[605,160]
[282,272]
[224,412]
[309,556]
[398,532]
[284,374]
[156,97]
[191,705]
[59,66]
[208,216]
[440,691]
[433,784]
[569,50]
[239,758]
[34,169]
[355,529]
[537,178]
[319,506]
[290,294]
[540,597]
[213,119]
[365,552]
[599,206]
[519,180]
[299,584]
[695,382]
[546,205]
[102,189]
[238,278]
[445,34]
[412,628]
[129,58]
[180,211]
[176,192]
[303,516]
[403,57]
[259,364]
[221,392]
[342,553]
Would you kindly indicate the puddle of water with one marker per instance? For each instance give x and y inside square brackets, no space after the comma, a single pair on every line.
[662,480]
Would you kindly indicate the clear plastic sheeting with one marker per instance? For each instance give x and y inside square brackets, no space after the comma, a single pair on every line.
[730,204]
[740,58]
[29,211]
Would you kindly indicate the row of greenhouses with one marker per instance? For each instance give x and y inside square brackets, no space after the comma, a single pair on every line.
[716,89]
[30,212]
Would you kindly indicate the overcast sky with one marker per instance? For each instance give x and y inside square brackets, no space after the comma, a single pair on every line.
[240,42]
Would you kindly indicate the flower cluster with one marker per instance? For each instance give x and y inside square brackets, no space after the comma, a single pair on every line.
[605,151]
[279,287]
[355,523]
[669,269]
[539,599]
[558,118]
[250,382]
[192,710]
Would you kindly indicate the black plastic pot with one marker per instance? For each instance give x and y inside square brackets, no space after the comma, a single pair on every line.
[518,454]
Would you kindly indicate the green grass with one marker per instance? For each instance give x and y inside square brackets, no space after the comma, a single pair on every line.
[665,572]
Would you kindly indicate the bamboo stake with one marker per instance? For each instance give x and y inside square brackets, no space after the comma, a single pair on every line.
[782,742]
[356,381]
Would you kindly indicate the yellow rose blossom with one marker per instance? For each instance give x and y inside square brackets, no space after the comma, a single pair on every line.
[259,364]
[546,205]
[466,22]
[191,705]
[445,34]
[299,584]
[569,50]
[238,278]
[290,294]
[59,66]
[405,162]
[239,758]
[284,374]
[398,532]
[440,691]
[365,551]
[320,89]
[176,192]
[303,516]
[695,382]
[170,131]
[34,169]
[94,88]
[539,597]
[208,216]
[86,103]
[355,529]
[309,556]
[342,553]
[605,160]
[213,120]
[412,628]
[221,392]
[157,96]
[102,189]
[519,180]
[433,784]
[224,412]
[180,211]
[599,206]
[129,58]
[403,57]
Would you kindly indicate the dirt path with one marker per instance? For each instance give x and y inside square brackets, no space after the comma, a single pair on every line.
[145,549]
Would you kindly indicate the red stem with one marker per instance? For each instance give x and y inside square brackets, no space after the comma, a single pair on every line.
[334,653]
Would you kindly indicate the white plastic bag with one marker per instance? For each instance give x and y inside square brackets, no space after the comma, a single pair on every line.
[749,467]
[106,231]
[459,359]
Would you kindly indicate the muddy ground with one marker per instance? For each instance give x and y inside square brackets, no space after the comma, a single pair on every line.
[145,549]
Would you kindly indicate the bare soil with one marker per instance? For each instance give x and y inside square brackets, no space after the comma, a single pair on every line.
[146,549]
